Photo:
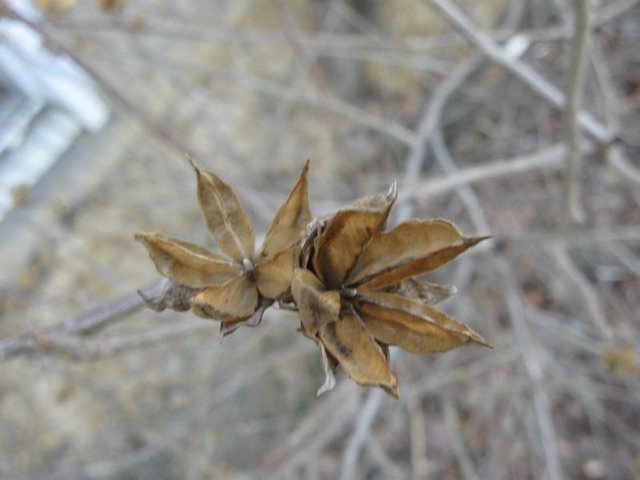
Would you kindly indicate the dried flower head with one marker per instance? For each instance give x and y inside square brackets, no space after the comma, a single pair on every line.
[236,287]
[352,283]
[356,294]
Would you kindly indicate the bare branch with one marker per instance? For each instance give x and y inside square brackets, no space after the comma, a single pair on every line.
[521,70]
[417,425]
[91,350]
[430,121]
[548,158]
[360,432]
[575,86]
[453,424]
[589,295]
[89,322]
[533,368]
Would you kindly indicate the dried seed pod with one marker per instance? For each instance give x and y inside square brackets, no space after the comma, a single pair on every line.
[186,263]
[233,289]
[370,273]
[349,342]
[351,282]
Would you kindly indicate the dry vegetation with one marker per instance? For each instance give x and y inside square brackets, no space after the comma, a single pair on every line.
[519,119]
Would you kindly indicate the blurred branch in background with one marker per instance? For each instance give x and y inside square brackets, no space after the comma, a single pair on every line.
[459,101]
[575,86]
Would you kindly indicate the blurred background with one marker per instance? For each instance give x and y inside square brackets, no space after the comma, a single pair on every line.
[476,108]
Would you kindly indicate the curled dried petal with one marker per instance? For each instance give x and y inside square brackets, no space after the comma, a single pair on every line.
[329,364]
[338,246]
[235,300]
[186,263]
[228,223]
[290,220]
[412,248]
[273,277]
[360,356]
[227,328]
[412,325]
[316,307]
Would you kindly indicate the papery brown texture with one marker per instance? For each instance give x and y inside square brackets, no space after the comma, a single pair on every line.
[346,233]
[352,283]
[353,346]
[235,287]
[316,307]
[412,325]
[186,263]
[367,275]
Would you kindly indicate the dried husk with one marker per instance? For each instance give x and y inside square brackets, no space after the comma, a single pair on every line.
[411,249]
[353,285]
[340,243]
[273,277]
[360,356]
[316,307]
[290,221]
[412,325]
[228,223]
[235,300]
[186,263]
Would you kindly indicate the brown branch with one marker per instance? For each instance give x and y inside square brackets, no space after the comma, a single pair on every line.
[84,324]
[92,350]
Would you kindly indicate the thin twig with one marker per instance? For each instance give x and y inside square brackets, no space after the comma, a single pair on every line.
[575,87]
[430,121]
[86,323]
[453,424]
[91,350]
[618,160]
[315,432]
[381,457]
[601,234]
[589,295]
[360,432]
[417,425]
[533,368]
[547,158]
[520,69]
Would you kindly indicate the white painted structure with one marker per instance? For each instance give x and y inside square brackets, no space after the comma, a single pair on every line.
[46,101]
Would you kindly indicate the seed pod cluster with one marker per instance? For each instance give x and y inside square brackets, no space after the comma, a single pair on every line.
[353,282]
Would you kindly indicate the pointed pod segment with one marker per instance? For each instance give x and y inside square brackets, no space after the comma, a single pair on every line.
[316,307]
[412,248]
[412,325]
[273,277]
[338,246]
[290,221]
[360,356]
[235,300]
[228,223]
[186,263]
